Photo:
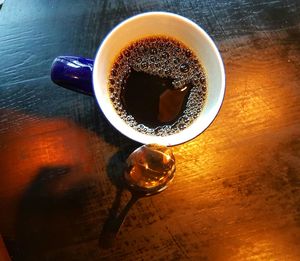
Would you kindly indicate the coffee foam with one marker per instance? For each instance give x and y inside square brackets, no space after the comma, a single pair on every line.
[164,57]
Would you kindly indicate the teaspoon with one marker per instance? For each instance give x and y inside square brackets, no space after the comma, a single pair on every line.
[148,171]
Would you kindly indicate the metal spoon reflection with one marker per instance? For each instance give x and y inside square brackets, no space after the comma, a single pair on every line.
[148,171]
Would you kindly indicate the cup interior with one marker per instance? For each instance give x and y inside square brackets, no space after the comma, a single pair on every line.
[177,27]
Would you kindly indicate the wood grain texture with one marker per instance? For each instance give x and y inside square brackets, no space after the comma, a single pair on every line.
[236,194]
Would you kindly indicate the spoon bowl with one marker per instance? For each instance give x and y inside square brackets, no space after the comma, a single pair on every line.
[149,169]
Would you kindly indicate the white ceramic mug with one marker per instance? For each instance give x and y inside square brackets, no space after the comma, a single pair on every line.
[132,29]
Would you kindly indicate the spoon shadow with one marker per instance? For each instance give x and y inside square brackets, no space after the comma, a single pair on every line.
[114,221]
[115,170]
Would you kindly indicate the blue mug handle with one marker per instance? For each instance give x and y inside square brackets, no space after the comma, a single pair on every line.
[75,73]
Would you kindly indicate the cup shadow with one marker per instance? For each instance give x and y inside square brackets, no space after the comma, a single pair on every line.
[103,128]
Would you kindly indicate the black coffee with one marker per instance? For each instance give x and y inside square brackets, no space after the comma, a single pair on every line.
[157,86]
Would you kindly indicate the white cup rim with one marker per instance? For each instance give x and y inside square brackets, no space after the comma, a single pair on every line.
[120,125]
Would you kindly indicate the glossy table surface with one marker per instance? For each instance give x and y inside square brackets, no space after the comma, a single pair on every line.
[236,193]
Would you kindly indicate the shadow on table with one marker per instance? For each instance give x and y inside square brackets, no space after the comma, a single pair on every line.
[49,212]
[117,212]
[49,170]
[51,191]
[103,128]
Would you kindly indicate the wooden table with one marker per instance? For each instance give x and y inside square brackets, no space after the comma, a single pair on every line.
[236,194]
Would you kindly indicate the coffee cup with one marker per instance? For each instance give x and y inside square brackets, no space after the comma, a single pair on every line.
[92,76]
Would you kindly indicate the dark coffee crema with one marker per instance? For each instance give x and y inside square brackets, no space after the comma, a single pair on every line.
[157,85]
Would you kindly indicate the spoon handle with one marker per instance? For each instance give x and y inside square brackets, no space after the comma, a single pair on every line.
[111,229]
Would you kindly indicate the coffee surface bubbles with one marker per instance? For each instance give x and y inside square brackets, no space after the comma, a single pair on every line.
[157,86]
